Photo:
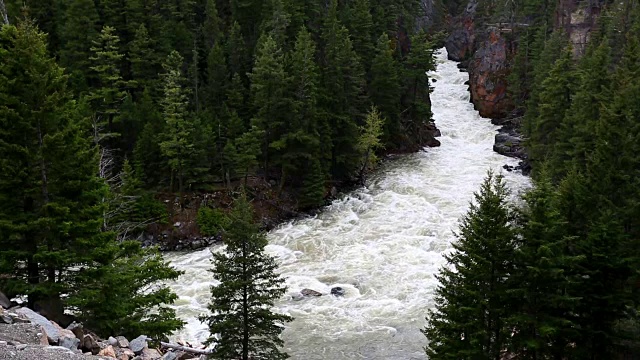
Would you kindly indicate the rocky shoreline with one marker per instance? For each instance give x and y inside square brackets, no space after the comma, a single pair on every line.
[27,335]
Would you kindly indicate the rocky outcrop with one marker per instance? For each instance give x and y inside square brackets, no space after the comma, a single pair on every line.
[577,19]
[488,72]
[461,39]
[427,15]
[27,335]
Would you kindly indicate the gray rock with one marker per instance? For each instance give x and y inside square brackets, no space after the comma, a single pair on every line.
[309,292]
[77,329]
[21,347]
[4,301]
[70,343]
[112,341]
[122,342]
[337,291]
[138,344]
[23,334]
[5,318]
[3,343]
[53,334]
[170,356]
[90,344]
[151,354]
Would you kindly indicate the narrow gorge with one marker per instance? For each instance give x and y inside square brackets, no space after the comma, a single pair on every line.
[382,244]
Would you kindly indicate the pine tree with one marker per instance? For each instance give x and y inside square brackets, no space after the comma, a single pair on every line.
[78,32]
[242,323]
[555,99]
[343,98]
[108,94]
[53,205]
[384,90]
[543,279]
[361,30]
[144,61]
[468,321]
[268,85]
[178,144]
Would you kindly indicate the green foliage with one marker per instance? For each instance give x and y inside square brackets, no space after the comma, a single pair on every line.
[123,295]
[385,89]
[469,319]
[242,323]
[370,139]
[212,221]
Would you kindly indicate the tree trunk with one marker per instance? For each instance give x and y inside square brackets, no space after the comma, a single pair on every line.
[245,306]
[3,13]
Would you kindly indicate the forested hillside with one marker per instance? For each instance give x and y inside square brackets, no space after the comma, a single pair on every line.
[197,95]
[560,278]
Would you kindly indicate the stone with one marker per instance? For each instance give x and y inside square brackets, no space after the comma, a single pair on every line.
[337,291]
[150,354]
[70,343]
[122,342]
[3,343]
[138,344]
[461,39]
[5,318]
[77,329]
[53,334]
[309,292]
[123,357]
[108,352]
[21,333]
[112,341]
[4,301]
[170,356]
[89,343]
[21,347]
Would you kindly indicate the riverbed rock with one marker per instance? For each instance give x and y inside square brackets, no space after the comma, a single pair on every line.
[4,301]
[122,342]
[51,330]
[70,343]
[77,329]
[90,344]
[23,333]
[488,72]
[309,292]
[337,291]
[108,352]
[138,344]
[150,354]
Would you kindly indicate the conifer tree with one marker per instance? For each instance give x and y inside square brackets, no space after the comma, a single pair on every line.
[108,94]
[242,323]
[555,99]
[268,85]
[79,30]
[144,61]
[384,89]
[543,279]
[361,29]
[53,205]
[343,98]
[468,321]
[178,145]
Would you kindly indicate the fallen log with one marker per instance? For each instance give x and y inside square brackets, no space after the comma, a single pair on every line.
[185,348]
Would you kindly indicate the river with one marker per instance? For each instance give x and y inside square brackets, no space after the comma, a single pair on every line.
[383,244]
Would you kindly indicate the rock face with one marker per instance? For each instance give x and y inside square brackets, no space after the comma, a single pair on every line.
[577,18]
[488,72]
[460,42]
[427,15]
[52,331]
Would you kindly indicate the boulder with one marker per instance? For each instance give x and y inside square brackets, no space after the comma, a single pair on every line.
[150,354]
[89,343]
[170,356]
[122,342]
[51,330]
[112,341]
[108,352]
[22,333]
[337,291]
[138,344]
[4,301]
[70,343]
[488,72]
[77,329]
[509,145]
[309,292]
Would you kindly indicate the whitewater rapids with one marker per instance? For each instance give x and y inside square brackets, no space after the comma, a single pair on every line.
[383,244]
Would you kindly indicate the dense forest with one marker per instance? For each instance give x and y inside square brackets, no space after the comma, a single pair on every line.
[555,276]
[106,104]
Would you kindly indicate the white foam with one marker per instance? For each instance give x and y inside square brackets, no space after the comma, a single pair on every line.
[382,244]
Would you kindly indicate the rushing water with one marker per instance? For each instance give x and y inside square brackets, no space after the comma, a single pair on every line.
[383,244]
